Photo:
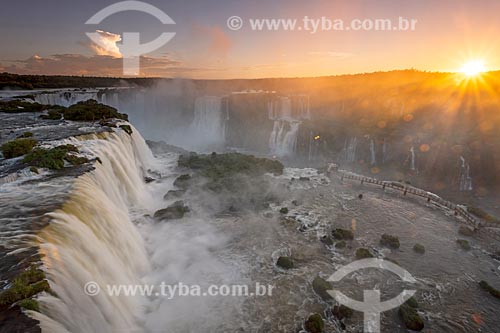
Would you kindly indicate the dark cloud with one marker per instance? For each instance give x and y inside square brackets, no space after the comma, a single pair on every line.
[99,65]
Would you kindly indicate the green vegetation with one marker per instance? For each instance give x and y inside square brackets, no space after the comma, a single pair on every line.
[172,212]
[25,135]
[285,262]
[183,181]
[412,302]
[25,285]
[464,244]
[482,214]
[419,248]
[216,166]
[389,241]
[17,106]
[321,287]
[34,169]
[342,234]
[127,129]
[54,113]
[314,324]
[29,304]
[284,210]
[91,110]
[363,253]
[18,147]
[54,158]
[411,318]
[340,245]
[494,292]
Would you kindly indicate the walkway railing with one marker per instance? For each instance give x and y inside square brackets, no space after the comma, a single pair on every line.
[405,189]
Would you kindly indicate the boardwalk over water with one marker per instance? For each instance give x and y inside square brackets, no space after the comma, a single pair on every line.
[407,189]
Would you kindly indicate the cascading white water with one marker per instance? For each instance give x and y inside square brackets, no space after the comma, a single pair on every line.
[283,137]
[465,177]
[350,150]
[208,125]
[373,160]
[65,98]
[412,159]
[91,238]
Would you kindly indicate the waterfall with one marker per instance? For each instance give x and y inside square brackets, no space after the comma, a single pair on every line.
[350,150]
[372,153]
[412,159]
[64,98]
[91,238]
[384,152]
[283,137]
[208,126]
[465,177]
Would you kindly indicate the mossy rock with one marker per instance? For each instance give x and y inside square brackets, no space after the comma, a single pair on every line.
[341,311]
[314,324]
[363,253]
[340,245]
[327,240]
[25,135]
[284,210]
[390,241]
[18,147]
[183,181]
[464,244]
[411,318]
[174,194]
[465,231]
[173,212]
[493,292]
[127,129]
[321,287]
[29,304]
[412,302]
[25,285]
[285,263]
[419,248]
[34,170]
[17,106]
[342,234]
[76,160]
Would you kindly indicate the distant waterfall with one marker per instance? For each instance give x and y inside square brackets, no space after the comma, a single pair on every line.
[373,160]
[65,98]
[350,150]
[465,177]
[412,159]
[91,238]
[384,152]
[208,126]
[283,137]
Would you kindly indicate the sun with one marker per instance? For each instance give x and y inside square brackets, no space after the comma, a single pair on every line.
[473,68]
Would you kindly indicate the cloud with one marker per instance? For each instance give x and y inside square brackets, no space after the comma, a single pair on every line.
[99,65]
[105,45]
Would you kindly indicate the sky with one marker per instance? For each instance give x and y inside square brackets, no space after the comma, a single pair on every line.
[49,37]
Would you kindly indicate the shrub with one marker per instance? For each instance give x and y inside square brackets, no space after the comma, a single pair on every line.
[314,324]
[16,106]
[25,285]
[411,318]
[464,244]
[127,129]
[285,262]
[55,113]
[343,234]
[29,304]
[419,248]
[53,158]
[363,253]
[390,241]
[284,210]
[25,135]
[18,147]
[91,110]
